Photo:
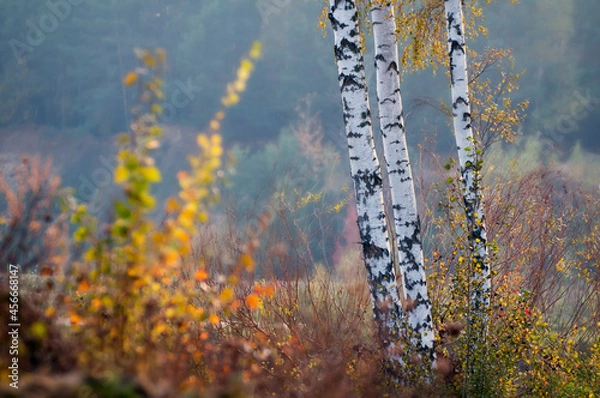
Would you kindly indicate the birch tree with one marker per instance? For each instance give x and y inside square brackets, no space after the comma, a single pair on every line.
[406,221]
[469,161]
[366,173]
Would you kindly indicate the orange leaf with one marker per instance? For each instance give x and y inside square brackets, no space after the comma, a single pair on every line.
[252,301]
[172,205]
[235,305]
[84,286]
[201,275]
[270,290]
[130,79]
[214,319]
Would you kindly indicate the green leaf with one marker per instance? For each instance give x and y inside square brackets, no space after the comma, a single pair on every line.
[147,200]
[81,234]
[122,210]
[120,230]
[38,329]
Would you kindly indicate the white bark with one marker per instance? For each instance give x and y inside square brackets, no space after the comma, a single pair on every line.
[366,173]
[404,205]
[468,159]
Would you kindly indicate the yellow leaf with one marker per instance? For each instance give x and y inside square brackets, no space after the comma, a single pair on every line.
[226,295]
[242,75]
[171,258]
[90,254]
[256,50]
[152,174]
[202,141]
[157,109]
[130,79]
[216,139]
[147,200]
[233,98]
[149,60]
[246,64]
[39,330]
[182,236]
[214,319]
[203,217]
[121,174]
[138,238]
[247,261]
[170,313]
[186,218]
[215,125]
[240,85]
[216,151]
[161,53]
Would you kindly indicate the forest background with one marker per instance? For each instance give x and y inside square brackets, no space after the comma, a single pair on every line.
[63,95]
[283,195]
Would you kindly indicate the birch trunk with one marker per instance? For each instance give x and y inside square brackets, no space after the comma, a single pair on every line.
[469,160]
[366,173]
[407,226]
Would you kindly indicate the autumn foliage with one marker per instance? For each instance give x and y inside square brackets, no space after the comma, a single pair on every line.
[170,302]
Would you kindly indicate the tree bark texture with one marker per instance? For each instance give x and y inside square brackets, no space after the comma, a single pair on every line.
[366,173]
[406,221]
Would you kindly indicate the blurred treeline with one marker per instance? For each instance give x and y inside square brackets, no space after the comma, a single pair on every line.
[61,65]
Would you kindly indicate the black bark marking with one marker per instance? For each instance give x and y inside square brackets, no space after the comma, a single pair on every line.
[456,46]
[350,45]
[371,181]
[460,100]
[349,81]
[393,66]
[372,251]
[395,124]
[450,19]
[338,52]
[335,24]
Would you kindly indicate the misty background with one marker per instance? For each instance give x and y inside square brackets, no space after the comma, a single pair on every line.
[61,91]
